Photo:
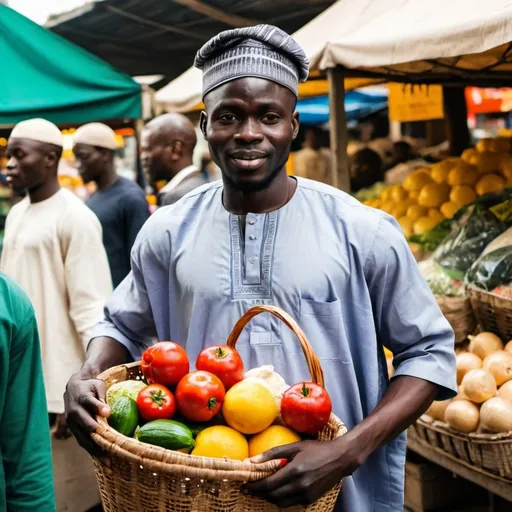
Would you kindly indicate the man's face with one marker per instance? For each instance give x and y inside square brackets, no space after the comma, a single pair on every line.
[90,161]
[249,124]
[155,156]
[27,165]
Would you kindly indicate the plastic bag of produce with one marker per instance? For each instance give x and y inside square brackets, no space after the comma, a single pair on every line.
[498,203]
[476,229]
[438,281]
[451,298]
[492,269]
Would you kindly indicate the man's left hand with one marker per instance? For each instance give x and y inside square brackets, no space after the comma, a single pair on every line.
[313,469]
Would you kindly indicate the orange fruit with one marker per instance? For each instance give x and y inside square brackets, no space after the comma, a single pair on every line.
[462,194]
[490,183]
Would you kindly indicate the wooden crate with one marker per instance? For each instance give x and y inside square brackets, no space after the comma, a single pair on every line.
[430,487]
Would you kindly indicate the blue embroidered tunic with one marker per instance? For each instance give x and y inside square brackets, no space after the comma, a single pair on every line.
[341,269]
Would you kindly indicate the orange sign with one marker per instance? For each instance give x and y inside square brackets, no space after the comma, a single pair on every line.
[488,100]
[415,102]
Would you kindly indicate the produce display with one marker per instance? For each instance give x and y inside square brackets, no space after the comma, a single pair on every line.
[484,376]
[430,195]
[218,410]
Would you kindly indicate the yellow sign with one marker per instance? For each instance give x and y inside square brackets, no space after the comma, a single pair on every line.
[415,102]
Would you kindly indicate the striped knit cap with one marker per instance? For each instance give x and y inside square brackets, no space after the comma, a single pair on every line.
[261,51]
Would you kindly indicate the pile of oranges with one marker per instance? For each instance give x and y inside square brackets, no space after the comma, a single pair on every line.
[432,194]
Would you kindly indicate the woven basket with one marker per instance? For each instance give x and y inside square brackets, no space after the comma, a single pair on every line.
[457,310]
[489,452]
[138,477]
[493,312]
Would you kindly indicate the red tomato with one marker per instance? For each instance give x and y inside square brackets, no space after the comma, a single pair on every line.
[199,396]
[156,402]
[306,407]
[165,363]
[224,362]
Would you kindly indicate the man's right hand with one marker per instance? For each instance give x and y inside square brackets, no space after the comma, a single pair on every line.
[85,400]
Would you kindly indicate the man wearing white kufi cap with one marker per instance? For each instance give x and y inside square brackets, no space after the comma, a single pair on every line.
[119,204]
[53,249]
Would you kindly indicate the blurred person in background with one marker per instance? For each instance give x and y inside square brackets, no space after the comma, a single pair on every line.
[119,203]
[26,482]
[53,248]
[405,160]
[313,161]
[167,147]
[365,169]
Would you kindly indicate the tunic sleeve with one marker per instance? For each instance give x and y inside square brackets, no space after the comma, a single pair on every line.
[88,278]
[24,429]
[408,320]
[128,314]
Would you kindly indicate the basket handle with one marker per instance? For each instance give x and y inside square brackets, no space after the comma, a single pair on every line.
[315,369]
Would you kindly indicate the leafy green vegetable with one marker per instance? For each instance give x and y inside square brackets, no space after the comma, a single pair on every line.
[129,388]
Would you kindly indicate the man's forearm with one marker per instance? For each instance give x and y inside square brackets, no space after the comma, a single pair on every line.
[405,400]
[103,353]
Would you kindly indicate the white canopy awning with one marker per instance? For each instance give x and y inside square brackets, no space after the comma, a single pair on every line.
[421,40]
[417,37]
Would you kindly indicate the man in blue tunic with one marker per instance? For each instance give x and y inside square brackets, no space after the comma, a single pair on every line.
[343,270]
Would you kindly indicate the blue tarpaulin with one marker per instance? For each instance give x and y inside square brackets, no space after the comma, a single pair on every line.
[358,103]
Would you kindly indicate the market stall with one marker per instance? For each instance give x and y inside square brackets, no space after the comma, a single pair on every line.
[47,76]
[458,211]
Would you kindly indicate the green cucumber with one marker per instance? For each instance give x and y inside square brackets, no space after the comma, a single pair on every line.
[169,434]
[124,416]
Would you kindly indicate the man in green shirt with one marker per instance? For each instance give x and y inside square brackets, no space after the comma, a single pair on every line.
[26,477]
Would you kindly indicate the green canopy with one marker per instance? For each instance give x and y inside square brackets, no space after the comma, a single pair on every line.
[44,75]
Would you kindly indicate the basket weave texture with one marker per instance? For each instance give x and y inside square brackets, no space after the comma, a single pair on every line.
[489,452]
[493,312]
[458,311]
[138,477]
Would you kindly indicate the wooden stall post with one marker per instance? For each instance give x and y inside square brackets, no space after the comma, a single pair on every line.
[338,129]
[456,115]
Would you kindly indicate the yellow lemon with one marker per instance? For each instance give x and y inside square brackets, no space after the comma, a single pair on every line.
[407,225]
[469,154]
[416,211]
[490,183]
[386,195]
[434,195]
[461,195]
[434,213]
[416,181]
[483,145]
[249,407]
[506,166]
[449,209]
[488,162]
[273,436]
[398,194]
[399,210]
[413,196]
[439,172]
[387,206]
[219,442]
[463,174]
[424,224]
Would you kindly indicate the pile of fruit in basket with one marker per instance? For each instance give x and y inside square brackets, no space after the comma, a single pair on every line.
[484,401]
[430,195]
[218,410]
